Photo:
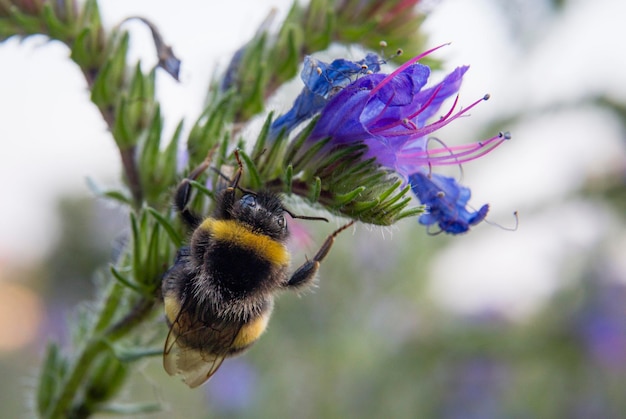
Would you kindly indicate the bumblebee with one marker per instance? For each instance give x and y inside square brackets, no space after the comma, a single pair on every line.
[219,294]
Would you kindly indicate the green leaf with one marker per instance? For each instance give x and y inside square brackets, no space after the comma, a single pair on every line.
[119,197]
[395,209]
[287,51]
[169,229]
[342,199]
[288,179]
[130,409]
[90,14]
[29,24]
[152,263]
[202,188]
[122,131]
[364,206]
[105,380]
[316,189]
[259,145]
[309,154]
[80,55]
[56,28]
[169,158]
[49,377]
[136,241]
[135,354]
[117,60]
[125,281]
[411,212]
[99,92]
[385,194]
[209,129]
[251,171]
[149,151]
[387,204]
[296,144]
[115,195]
[138,101]
[274,160]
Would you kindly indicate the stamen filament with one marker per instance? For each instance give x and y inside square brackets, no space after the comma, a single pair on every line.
[405,65]
[450,156]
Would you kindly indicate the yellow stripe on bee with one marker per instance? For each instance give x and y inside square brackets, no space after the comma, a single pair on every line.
[234,232]
[250,332]
[172,307]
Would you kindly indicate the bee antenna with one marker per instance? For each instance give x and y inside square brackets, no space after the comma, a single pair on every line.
[246,191]
[220,174]
[239,171]
[514,228]
[304,217]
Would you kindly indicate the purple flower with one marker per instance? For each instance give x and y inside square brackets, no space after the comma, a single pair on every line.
[391,115]
[602,325]
[446,201]
[321,81]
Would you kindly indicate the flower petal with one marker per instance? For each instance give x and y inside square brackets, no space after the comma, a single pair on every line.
[446,201]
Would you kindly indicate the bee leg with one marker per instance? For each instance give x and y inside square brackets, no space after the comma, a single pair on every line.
[183,194]
[228,196]
[305,274]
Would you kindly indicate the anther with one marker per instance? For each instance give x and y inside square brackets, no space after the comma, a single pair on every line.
[514,228]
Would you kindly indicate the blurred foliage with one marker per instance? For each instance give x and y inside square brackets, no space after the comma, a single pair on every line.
[369,342]
[91,234]
[365,346]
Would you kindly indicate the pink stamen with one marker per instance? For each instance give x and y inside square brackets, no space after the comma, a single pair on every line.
[445,156]
[403,66]
[409,124]
[428,129]
[456,102]
[413,115]
[427,104]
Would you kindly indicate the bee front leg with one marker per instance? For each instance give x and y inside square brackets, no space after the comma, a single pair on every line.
[183,194]
[305,274]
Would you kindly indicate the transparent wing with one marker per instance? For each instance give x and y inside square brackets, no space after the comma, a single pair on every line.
[196,363]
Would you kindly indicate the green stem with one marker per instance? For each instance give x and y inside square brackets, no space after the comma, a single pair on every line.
[104,333]
[63,403]
[87,354]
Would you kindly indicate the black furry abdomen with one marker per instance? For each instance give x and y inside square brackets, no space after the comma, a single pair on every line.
[238,271]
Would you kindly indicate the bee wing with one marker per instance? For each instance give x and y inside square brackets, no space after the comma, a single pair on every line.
[196,365]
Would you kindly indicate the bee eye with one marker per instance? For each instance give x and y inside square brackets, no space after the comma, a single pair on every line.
[248,201]
[281,221]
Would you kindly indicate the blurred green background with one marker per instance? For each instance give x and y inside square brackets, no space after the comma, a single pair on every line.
[495,324]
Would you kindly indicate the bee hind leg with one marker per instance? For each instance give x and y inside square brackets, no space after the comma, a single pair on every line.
[305,274]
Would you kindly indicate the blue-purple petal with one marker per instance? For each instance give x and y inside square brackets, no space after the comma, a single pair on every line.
[321,81]
[447,203]
[305,106]
[448,87]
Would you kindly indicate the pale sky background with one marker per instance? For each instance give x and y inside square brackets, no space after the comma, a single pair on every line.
[53,137]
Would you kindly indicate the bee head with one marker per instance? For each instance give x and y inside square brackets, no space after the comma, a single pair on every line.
[263,213]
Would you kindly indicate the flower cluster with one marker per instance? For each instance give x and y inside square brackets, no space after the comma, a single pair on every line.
[391,114]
